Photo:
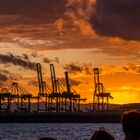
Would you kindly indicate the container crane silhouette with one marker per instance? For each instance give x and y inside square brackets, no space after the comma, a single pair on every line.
[100,97]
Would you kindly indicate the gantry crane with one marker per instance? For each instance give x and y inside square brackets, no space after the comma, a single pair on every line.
[100,97]
[44,90]
[70,94]
[58,98]
[15,93]
[5,99]
[73,102]
[21,97]
[56,94]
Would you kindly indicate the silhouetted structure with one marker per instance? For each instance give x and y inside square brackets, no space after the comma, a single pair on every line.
[44,91]
[64,100]
[55,98]
[5,99]
[72,99]
[100,97]
[131,125]
[56,93]
[50,98]
[16,94]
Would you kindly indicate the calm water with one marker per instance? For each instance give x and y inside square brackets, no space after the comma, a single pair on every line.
[58,131]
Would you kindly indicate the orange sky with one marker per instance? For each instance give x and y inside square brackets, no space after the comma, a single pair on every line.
[79,34]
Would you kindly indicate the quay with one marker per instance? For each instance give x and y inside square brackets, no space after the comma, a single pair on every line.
[61,117]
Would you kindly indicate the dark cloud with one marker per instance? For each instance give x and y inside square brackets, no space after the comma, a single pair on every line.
[33,83]
[17,60]
[48,60]
[34,54]
[71,81]
[117,18]
[25,56]
[1,84]
[61,80]
[6,77]
[11,76]
[74,82]
[125,68]
[44,10]
[57,60]
[113,18]
[73,68]
[3,77]
[26,22]
[132,68]
[79,68]
[44,24]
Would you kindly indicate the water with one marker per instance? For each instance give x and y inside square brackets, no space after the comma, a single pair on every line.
[59,131]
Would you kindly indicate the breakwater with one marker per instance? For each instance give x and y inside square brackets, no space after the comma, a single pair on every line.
[76,117]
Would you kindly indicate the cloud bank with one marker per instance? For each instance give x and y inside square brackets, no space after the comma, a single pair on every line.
[110,18]
[18,61]
[117,18]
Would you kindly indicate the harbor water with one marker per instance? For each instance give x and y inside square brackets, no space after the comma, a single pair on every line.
[60,131]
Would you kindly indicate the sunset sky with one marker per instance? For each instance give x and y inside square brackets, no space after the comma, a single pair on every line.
[74,35]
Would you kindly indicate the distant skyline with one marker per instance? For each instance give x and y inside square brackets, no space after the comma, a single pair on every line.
[74,35]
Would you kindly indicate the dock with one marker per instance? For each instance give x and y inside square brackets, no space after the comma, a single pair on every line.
[62,117]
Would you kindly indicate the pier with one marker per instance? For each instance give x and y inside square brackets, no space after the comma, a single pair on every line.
[53,117]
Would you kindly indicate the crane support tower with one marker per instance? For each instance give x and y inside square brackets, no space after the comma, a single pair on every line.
[100,97]
[43,94]
[56,94]
[53,78]
[68,91]
[40,79]
[5,99]
[55,98]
